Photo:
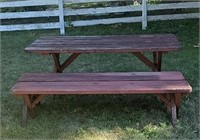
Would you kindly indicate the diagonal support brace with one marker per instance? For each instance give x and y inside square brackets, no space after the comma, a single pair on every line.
[145,60]
[157,60]
[29,104]
[58,67]
[69,61]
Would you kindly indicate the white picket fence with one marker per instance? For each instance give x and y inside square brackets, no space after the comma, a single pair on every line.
[62,12]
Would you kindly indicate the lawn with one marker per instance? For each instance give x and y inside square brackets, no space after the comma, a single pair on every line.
[101,117]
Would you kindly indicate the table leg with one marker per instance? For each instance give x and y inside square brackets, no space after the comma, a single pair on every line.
[157,60]
[57,66]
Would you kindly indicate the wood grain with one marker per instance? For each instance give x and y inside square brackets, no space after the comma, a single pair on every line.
[102,83]
[109,76]
[97,44]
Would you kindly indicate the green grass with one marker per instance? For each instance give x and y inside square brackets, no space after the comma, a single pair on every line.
[100,117]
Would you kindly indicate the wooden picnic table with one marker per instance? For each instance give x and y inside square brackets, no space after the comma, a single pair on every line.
[76,45]
[168,86]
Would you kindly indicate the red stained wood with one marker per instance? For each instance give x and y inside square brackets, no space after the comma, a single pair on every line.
[109,76]
[97,44]
[102,83]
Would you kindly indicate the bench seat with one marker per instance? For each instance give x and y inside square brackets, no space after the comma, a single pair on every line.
[169,86]
[101,83]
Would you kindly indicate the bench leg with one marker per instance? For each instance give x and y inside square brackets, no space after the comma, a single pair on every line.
[30,102]
[178,102]
[173,110]
[172,102]
[26,108]
[175,105]
[24,114]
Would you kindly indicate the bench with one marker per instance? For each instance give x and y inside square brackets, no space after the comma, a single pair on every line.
[168,86]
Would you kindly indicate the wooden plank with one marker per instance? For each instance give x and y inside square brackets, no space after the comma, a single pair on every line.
[104,10]
[102,87]
[29,26]
[107,39]
[131,8]
[90,11]
[32,14]
[173,16]
[92,44]
[173,6]
[144,14]
[98,42]
[28,3]
[87,1]
[105,49]
[61,17]
[110,76]
[104,21]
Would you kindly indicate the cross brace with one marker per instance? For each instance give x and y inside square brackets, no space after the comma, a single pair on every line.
[157,59]
[30,102]
[155,65]
[172,102]
[58,67]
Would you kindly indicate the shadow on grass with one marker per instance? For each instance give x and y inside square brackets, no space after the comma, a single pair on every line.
[103,116]
[100,117]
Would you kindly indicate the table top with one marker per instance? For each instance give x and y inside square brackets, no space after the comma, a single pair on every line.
[98,44]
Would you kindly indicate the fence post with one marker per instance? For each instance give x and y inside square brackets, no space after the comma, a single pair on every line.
[61,17]
[144,14]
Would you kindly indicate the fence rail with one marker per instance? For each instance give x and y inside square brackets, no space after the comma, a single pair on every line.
[60,12]
[28,3]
